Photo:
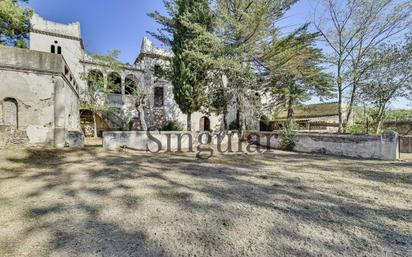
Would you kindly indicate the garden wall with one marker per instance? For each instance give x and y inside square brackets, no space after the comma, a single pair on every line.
[406,144]
[384,147]
[140,140]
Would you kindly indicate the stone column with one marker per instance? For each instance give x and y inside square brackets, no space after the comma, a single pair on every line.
[390,146]
[59,113]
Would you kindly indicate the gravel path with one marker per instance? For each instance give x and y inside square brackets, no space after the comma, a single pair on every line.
[91,202]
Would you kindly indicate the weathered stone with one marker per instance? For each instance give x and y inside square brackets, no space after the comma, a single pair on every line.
[38,97]
[74,139]
[385,147]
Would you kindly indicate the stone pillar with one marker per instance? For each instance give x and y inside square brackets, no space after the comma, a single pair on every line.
[390,146]
[59,113]
[123,84]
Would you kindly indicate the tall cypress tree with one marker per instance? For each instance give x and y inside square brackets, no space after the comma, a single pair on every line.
[186,31]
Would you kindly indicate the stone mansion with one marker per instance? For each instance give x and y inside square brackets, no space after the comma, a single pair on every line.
[41,89]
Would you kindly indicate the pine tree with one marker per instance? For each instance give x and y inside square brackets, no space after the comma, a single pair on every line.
[294,73]
[187,31]
[243,28]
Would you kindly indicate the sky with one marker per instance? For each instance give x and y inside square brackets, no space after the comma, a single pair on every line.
[122,24]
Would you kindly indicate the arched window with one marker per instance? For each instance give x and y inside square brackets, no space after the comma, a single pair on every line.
[130,85]
[95,80]
[53,49]
[59,50]
[11,112]
[114,83]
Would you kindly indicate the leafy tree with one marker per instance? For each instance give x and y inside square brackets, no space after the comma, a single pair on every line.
[351,29]
[14,23]
[398,115]
[389,77]
[220,101]
[187,29]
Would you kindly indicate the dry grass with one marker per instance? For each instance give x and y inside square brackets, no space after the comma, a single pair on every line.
[95,203]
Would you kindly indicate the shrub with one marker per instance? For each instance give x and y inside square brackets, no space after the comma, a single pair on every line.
[172,126]
[356,129]
[288,139]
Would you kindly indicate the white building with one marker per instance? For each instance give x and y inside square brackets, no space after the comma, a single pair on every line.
[160,107]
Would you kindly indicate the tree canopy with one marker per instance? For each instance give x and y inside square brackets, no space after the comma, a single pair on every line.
[14,23]
[186,31]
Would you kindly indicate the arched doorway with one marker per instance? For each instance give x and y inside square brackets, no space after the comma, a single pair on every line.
[87,120]
[204,124]
[11,113]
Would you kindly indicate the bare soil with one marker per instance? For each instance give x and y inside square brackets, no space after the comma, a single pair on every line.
[93,202]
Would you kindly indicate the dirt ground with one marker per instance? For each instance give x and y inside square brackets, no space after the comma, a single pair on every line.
[93,202]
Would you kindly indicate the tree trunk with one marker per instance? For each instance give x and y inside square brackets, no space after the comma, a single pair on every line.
[350,107]
[94,124]
[237,113]
[291,113]
[189,121]
[142,118]
[340,93]
[225,119]
[380,116]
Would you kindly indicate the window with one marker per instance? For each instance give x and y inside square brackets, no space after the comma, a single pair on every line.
[114,83]
[130,85]
[95,81]
[158,96]
[59,50]
[157,71]
[10,112]
[53,49]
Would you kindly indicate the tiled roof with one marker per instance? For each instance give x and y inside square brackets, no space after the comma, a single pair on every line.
[313,111]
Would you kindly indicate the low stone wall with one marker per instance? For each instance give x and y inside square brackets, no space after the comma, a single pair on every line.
[406,144]
[158,140]
[74,139]
[385,147]
[11,136]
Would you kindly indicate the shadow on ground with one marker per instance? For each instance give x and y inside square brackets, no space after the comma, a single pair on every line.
[95,203]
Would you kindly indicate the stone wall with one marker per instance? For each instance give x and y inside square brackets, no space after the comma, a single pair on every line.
[383,147]
[406,144]
[44,93]
[46,33]
[11,136]
[140,140]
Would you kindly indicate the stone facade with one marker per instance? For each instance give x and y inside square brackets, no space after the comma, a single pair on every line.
[39,97]
[66,39]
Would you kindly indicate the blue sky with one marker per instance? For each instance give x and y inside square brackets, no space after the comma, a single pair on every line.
[106,25]
[122,24]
